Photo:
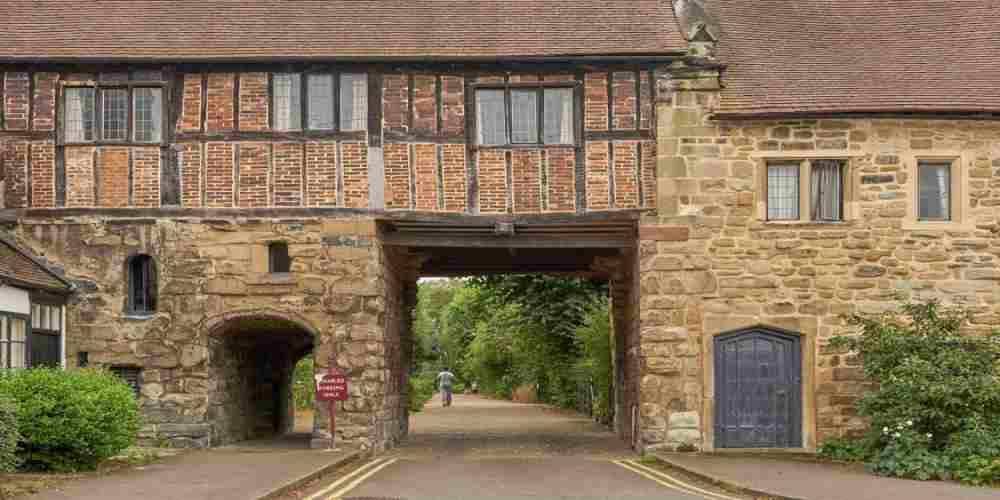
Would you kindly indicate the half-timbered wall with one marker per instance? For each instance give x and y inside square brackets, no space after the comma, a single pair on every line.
[219,147]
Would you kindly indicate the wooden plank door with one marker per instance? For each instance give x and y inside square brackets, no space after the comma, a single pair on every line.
[758,390]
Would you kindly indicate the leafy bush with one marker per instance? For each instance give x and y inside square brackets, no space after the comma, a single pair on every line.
[71,420]
[8,435]
[421,391]
[845,450]
[304,385]
[935,411]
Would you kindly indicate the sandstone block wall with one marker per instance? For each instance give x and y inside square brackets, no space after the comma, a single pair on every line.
[217,302]
[711,263]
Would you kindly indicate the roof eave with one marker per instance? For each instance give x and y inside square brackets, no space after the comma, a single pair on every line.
[69,286]
[940,114]
[666,56]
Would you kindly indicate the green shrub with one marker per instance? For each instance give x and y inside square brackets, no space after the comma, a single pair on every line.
[8,435]
[845,450]
[936,405]
[71,420]
[421,391]
[304,385]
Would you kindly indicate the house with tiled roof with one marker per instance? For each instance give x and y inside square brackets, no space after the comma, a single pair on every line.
[32,309]
[233,185]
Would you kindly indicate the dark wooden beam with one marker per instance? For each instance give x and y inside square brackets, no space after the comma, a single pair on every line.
[517,241]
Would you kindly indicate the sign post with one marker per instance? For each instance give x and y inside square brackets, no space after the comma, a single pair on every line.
[332,387]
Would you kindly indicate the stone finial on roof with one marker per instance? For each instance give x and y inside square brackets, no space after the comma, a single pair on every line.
[698,26]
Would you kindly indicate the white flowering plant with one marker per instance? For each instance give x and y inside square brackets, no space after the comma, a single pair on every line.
[935,404]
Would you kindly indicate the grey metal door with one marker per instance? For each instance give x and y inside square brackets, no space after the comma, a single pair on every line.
[758,402]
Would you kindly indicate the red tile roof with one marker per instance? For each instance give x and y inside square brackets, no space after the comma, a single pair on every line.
[19,268]
[185,30]
[819,56]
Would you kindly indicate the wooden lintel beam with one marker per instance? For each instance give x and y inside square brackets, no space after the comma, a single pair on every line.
[517,241]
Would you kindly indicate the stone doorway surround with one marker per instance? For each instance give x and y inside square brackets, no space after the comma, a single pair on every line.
[807,344]
[599,246]
[251,359]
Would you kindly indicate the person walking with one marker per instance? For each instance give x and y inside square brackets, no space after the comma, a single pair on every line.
[445,379]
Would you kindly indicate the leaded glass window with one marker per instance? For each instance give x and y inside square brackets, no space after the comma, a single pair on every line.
[287,101]
[114,113]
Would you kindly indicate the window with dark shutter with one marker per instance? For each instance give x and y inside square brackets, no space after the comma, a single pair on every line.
[142,284]
[280,261]
[129,374]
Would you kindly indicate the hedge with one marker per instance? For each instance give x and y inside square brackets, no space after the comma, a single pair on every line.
[70,420]
[8,435]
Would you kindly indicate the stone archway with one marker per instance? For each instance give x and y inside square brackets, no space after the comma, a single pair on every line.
[252,355]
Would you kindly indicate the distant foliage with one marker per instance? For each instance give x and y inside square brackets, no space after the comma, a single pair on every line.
[9,435]
[548,333]
[421,391]
[935,412]
[70,420]
[304,385]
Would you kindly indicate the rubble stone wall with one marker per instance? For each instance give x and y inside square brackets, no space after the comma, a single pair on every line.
[213,284]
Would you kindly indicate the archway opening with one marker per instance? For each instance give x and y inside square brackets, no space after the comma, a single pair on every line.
[253,364]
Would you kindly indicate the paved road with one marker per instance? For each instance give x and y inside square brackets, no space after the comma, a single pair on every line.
[486,449]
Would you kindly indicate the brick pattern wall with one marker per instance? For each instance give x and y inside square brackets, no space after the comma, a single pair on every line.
[425,169]
[561,191]
[648,173]
[192,174]
[253,101]
[219,174]
[321,174]
[425,104]
[220,111]
[397,175]
[624,101]
[525,165]
[15,161]
[146,177]
[626,174]
[15,113]
[598,186]
[492,181]
[595,108]
[288,169]
[453,105]
[190,120]
[43,174]
[395,102]
[43,108]
[79,177]
[355,163]
[454,174]
[254,163]
[113,176]
[646,116]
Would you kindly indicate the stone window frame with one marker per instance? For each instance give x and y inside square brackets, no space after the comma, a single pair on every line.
[149,286]
[959,191]
[99,87]
[849,186]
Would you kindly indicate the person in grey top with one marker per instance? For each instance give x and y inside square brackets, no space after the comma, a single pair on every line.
[445,379]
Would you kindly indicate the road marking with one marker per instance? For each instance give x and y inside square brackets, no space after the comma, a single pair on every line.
[658,475]
[354,484]
[651,477]
[323,493]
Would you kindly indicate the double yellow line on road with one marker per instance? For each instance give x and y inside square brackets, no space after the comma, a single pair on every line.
[340,487]
[669,481]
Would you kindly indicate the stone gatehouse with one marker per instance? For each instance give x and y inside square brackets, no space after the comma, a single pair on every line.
[228,202]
